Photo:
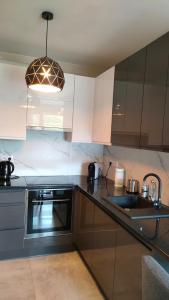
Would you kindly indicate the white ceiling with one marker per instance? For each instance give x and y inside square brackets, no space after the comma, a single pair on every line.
[97,33]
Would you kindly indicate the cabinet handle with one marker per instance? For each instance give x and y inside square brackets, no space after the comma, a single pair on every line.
[52,200]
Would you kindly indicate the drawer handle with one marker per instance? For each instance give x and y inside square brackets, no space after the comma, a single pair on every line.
[52,200]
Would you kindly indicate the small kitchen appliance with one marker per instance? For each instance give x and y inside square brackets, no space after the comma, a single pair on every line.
[133,186]
[6,169]
[94,170]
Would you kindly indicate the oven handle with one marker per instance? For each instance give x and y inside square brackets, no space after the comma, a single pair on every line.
[52,200]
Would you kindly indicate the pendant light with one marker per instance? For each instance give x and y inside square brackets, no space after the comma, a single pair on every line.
[44,74]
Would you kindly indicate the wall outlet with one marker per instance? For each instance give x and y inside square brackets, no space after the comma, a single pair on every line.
[113,163]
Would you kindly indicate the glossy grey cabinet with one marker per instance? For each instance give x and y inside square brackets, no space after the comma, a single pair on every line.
[111,253]
[12,216]
[128,267]
[104,250]
[165,140]
[141,98]
[154,93]
[11,240]
[12,220]
[84,225]
[12,196]
[95,239]
[127,100]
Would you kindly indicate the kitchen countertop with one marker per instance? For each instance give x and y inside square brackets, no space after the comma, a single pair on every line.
[144,230]
[39,181]
[100,191]
[15,183]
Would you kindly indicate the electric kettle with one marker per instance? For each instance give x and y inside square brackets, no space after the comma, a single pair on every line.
[6,169]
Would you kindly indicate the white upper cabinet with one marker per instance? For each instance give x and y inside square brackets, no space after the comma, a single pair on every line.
[83,109]
[13,93]
[92,116]
[52,110]
[103,102]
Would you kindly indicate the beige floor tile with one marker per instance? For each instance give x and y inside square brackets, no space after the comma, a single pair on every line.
[16,280]
[54,277]
[63,277]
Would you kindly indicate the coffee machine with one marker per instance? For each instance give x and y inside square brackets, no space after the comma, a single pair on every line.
[94,170]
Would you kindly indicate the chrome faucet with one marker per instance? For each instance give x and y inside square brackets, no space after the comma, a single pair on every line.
[157,202]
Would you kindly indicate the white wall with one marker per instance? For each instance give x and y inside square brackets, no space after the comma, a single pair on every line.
[140,162]
[79,69]
[47,153]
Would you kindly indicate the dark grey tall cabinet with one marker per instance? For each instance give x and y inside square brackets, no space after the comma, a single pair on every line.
[127,101]
[141,98]
[155,93]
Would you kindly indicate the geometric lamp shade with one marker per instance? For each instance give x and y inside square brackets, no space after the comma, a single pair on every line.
[44,74]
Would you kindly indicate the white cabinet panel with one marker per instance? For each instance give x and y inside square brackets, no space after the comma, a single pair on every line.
[83,109]
[52,110]
[103,102]
[13,94]
[46,112]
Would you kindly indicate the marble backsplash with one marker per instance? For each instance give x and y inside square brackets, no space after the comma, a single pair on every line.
[137,163]
[48,153]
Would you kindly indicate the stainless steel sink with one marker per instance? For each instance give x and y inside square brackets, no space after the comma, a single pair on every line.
[136,207]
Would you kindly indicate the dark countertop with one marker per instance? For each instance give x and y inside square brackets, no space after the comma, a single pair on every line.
[15,183]
[100,191]
[144,230]
[39,181]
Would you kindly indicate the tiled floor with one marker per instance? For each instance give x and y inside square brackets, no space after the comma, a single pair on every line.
[54,277]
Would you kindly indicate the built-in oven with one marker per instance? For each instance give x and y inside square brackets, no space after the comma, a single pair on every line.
[49,211]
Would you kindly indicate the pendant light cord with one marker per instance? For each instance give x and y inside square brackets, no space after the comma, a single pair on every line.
[47,37]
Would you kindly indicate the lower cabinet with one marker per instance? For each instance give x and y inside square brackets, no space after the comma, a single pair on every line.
[11,240]
[104,242]
[12,213]
[111,253]
[128,267]
[83,226]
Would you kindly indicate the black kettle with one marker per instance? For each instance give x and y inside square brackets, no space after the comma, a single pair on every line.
[6,169]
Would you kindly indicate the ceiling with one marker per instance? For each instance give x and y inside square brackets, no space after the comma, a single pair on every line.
[90,33]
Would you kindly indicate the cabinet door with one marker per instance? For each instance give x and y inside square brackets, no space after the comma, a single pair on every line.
[52,110]
[119,100]
[127,101]
[165,143]
[103,255]
[13,93]
[8,197]
[128,267]
[12,216]
[103,102]
[11,240]
[83,226]
[83,109]
[154,93]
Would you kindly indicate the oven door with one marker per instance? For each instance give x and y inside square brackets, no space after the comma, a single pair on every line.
[48,214]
